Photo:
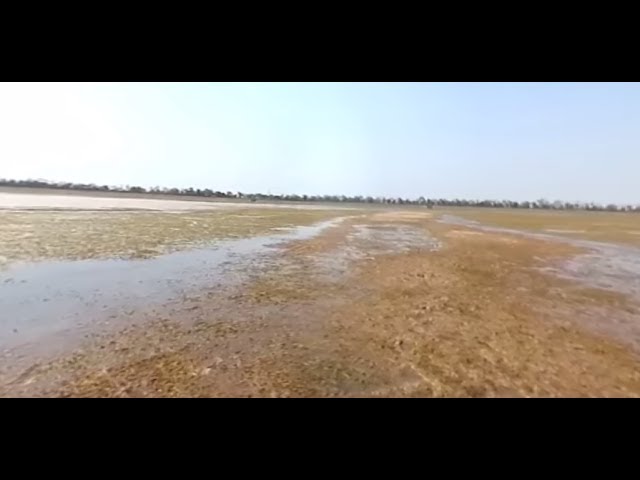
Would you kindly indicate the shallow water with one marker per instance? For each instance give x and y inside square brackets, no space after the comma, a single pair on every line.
[607,266]
[38,299]
[367,241]
[391,238]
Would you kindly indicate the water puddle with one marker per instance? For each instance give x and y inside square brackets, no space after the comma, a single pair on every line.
[38,299]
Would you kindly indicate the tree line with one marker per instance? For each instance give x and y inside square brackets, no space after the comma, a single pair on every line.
[422,201]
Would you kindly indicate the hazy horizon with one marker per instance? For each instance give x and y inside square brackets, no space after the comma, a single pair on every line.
[516,141]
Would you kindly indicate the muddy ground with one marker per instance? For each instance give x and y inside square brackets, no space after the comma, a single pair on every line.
[371,303]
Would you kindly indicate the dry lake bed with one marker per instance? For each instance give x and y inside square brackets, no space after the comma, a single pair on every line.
[135,297]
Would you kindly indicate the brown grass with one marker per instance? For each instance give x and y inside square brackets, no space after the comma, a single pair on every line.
[617,227]
[475,320]
[472,320]
[139,234]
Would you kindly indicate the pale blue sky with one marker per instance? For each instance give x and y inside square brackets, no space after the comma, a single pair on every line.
[494,140]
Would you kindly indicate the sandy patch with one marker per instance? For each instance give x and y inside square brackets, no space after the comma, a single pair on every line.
[463,233]
[399,216]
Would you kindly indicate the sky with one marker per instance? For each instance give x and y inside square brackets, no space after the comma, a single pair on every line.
[518,141]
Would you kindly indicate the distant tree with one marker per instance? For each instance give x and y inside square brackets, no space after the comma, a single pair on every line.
[430,203]
[543,203]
